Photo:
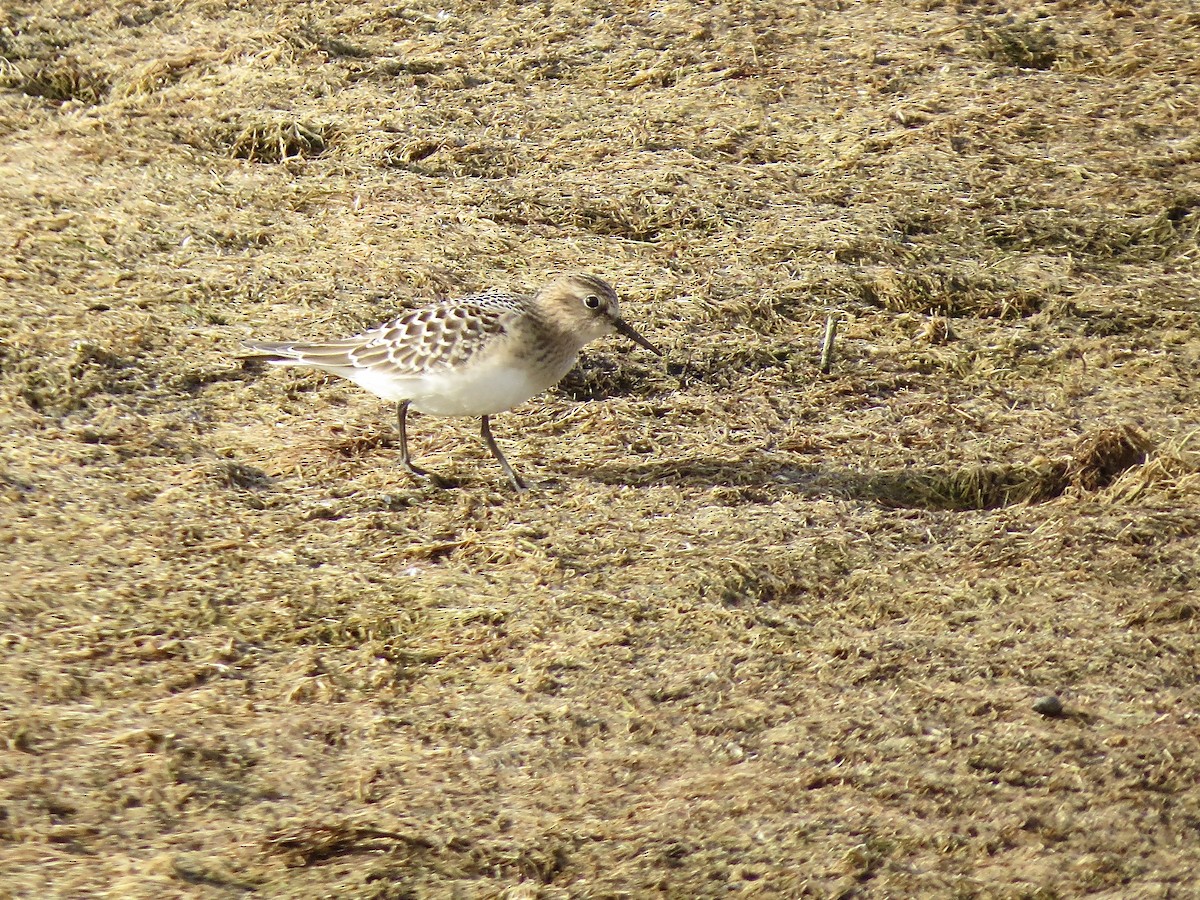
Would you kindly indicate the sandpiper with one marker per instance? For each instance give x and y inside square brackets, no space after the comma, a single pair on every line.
[475,356]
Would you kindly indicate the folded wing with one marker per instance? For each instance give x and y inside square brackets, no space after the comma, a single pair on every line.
[427,340]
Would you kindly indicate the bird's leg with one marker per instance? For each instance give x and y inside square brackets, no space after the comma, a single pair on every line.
[486,431]
[402,424]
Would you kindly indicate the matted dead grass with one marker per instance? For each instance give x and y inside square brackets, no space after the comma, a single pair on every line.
[758,630]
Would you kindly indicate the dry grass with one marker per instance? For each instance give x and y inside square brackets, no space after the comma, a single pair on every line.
[759,630]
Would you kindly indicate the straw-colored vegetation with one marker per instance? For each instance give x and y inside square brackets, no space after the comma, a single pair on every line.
[758,630]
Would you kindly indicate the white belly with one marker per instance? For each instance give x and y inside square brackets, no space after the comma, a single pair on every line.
[479,390]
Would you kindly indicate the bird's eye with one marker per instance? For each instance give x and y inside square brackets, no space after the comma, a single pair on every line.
[591,301]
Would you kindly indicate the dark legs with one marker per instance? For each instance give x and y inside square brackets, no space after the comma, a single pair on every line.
[486,431]
[417,472]
[402,423]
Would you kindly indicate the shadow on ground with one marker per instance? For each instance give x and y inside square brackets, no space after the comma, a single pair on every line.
[1096,461]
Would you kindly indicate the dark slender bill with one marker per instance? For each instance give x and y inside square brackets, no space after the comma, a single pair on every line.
[624,328]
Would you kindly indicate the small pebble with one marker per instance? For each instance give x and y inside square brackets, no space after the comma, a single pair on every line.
[1049,706]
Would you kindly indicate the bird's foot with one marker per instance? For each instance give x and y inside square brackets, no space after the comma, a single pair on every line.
[430,478]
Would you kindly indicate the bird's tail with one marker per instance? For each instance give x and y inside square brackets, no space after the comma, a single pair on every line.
[330,355]
[269,352]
